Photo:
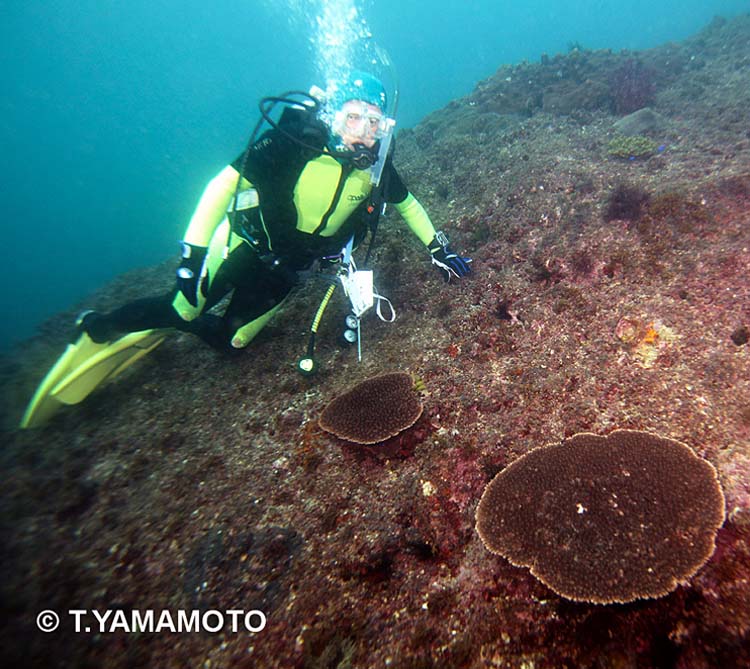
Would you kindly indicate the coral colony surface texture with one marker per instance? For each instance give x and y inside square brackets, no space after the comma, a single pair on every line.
[373,410]
[615,518]
[589,383]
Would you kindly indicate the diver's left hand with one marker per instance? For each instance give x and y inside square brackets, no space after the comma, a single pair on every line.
[447,260]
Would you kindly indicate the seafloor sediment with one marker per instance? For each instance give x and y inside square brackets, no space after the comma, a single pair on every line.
[607,292]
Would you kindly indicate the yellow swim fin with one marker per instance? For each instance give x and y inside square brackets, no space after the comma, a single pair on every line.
[42,406]
[83,367]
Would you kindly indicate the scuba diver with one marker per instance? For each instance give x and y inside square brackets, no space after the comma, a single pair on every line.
[317,178]
[296,195]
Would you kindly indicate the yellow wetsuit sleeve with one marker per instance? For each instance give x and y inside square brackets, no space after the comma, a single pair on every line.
[212,207]
[416,218]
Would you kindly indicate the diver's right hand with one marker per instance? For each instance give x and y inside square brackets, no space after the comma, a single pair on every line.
[192,274]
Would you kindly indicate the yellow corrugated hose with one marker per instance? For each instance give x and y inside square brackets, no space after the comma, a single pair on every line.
[322,308]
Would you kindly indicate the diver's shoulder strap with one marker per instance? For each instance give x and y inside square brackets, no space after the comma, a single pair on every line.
[375,209]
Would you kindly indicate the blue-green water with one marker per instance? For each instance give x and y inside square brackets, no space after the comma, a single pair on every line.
[114,115]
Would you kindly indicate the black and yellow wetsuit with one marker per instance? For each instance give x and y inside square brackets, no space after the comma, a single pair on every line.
[293,206]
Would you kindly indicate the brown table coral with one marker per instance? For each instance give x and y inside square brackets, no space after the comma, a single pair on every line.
[605,519]
[374,410]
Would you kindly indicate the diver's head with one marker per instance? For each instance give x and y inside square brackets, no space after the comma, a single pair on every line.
[357,106]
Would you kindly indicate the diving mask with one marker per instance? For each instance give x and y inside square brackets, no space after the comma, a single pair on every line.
[358,122]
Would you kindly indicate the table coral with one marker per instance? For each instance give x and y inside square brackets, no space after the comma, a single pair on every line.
[605,519]
[373,410]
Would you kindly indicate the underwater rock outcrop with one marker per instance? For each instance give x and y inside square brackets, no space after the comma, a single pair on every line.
[605,519]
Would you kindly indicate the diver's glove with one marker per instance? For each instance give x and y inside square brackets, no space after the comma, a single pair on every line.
[447,260]
[192,274]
